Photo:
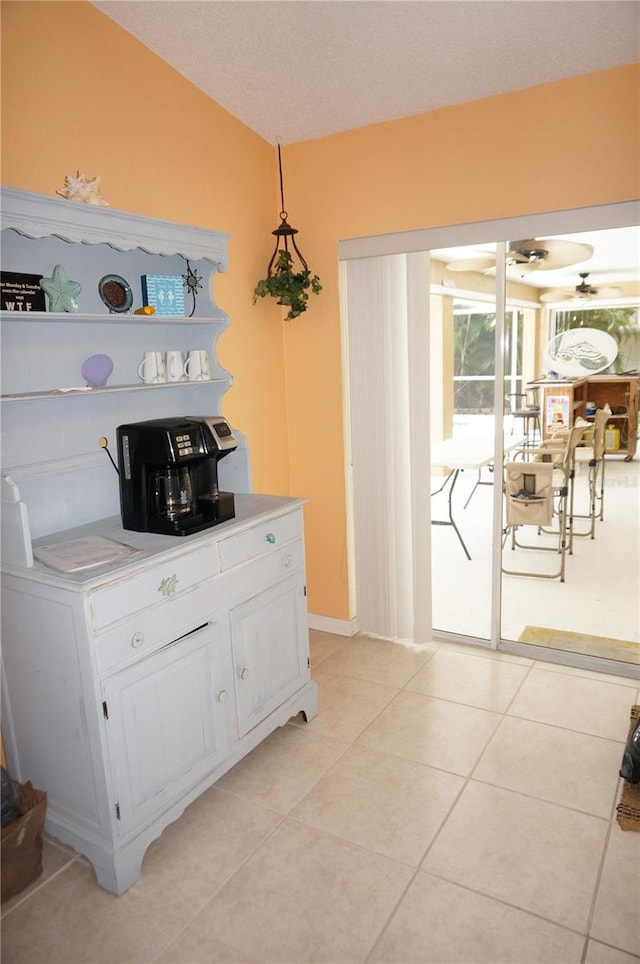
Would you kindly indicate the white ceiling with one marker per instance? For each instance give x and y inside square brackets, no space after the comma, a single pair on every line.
[298,69]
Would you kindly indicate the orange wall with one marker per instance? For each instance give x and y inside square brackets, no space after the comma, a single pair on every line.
[532,151]
[88,96]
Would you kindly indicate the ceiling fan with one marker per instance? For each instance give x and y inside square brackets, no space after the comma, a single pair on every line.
[537,254]
[583,291]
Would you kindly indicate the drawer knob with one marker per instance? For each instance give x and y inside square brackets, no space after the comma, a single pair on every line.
[222,696]
[168,586]
[137,640]
[244,673]
[290,561]
[270,538]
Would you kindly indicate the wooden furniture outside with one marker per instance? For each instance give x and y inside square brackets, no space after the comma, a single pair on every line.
[620,392]
[565,400]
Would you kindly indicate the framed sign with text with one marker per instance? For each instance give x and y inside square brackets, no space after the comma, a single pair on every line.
[21,292]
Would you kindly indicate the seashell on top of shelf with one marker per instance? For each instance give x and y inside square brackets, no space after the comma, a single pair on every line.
[82,188]
[96,370]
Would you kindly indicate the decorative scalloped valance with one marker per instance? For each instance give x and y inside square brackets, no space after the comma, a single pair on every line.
[40,216]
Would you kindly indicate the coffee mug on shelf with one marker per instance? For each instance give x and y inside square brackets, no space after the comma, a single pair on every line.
[197,366]
[151,369]
[175,366]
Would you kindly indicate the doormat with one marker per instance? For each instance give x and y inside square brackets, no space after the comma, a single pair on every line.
[603,646]
[629,807]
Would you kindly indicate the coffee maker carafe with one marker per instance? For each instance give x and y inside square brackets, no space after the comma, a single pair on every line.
[173,494]
[169,474]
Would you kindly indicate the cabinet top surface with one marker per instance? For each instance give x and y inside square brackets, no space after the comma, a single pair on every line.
[576,382]
[250,510]
[39,216]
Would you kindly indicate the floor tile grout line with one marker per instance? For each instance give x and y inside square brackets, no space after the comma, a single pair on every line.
[41,884]
[468,778]
[532,796]
[471,777]
[217,892]
[603,858]
[504,903]
[392,914]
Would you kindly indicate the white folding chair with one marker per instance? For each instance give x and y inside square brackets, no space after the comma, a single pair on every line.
[593,456]
[537,492]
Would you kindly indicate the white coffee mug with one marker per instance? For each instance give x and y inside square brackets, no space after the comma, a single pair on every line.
[175,366]
[197,365]
[151,369]
[205,366]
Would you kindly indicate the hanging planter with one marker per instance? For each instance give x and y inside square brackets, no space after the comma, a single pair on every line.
[287,281]
[288,286]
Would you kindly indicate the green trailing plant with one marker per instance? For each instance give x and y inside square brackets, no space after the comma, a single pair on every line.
[290,288]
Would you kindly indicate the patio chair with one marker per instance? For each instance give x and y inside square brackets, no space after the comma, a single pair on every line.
[536,492]
[593,456]
[525,406]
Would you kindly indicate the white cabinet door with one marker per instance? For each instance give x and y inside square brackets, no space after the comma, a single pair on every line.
[269,638]
[167,724]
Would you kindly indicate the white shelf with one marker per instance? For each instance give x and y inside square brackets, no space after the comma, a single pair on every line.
[52,446]
[109,389]
[41,216]
[56,317]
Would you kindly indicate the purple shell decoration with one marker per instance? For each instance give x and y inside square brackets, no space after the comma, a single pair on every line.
[96,370]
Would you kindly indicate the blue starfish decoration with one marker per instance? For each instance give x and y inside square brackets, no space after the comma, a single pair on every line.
[61,291]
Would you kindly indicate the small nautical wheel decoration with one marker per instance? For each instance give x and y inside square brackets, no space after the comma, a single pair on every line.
[191,281]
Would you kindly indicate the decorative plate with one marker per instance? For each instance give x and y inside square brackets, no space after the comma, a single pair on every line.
[116,293]
[580,351]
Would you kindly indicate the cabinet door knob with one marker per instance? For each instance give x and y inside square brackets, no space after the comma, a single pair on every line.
[222,696]
[137,639]
[270,538]
[244,673]
[290,561]
[168,586]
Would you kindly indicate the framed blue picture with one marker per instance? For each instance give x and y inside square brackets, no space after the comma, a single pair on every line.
[164,292]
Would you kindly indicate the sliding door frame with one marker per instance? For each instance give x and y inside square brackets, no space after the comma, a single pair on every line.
[419,243]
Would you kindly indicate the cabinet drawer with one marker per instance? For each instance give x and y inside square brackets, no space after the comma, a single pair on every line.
[165,581]
[146,632]
[267,537]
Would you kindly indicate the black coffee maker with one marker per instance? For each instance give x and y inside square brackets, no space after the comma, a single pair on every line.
[169,474]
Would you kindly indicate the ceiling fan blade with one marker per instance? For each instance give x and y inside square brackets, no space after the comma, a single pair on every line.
[549,253]
[473,264]
[558,295]
[609,292]
[570,294]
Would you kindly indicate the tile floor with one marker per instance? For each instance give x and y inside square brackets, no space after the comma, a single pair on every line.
[446,804]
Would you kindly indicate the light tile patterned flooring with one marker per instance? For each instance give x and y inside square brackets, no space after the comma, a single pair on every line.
[446,804]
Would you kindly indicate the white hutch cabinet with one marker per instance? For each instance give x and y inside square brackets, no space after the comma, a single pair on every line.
[130,689]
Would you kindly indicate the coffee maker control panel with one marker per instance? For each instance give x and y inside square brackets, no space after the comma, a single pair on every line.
[186,444]
[222,435]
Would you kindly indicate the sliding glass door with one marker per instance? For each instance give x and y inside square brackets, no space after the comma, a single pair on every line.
[482,335]
[462,418]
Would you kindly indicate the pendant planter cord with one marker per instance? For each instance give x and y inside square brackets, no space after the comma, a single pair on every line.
[285,282]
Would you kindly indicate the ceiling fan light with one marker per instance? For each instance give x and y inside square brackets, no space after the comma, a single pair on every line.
[527,252]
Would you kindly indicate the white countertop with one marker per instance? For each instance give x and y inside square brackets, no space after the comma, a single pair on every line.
[249,508]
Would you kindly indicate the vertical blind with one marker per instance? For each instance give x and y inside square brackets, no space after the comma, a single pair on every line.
[387,347]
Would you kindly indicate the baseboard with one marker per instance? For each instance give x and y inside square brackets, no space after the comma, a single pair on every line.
[327,624]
